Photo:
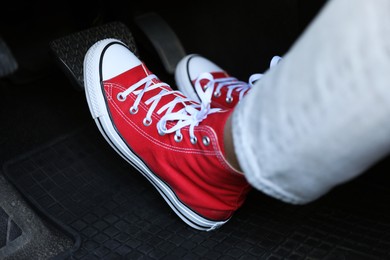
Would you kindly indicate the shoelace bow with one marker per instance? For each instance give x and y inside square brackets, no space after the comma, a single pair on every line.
[233,84]
[190,115]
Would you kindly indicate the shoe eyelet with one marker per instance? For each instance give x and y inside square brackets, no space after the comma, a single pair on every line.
[178,138]
[147,121]
[120,97]
[133,110]
[229,100]
[206,140]
[217,94]
[194,140]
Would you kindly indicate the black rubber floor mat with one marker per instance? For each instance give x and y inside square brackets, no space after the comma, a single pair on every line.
[81,184]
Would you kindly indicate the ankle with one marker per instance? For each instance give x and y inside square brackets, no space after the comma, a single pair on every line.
[230,154]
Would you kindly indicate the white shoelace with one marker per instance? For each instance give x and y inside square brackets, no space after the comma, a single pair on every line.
[233,84]
[190,115]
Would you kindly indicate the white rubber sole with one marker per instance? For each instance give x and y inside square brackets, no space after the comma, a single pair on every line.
[98,108]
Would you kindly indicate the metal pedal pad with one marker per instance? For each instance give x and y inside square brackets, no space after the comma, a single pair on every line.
[70,50]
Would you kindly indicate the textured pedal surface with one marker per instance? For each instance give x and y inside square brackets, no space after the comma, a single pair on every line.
[112,212]
[8,64]
[70,50]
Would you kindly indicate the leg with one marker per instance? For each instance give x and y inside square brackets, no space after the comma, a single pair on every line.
[229,145]
[322,116]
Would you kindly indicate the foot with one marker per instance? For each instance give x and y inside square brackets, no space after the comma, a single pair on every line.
[176,143]
[194,69]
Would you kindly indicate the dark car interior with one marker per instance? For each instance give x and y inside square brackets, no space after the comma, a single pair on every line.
[65,194]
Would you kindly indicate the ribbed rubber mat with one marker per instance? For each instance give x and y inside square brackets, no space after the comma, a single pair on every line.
[81,184]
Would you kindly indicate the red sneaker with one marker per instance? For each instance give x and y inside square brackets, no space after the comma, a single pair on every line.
[174,142]
[228,90]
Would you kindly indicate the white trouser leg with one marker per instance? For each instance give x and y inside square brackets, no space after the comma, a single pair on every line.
[322,115]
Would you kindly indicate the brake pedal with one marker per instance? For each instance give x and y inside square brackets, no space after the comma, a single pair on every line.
[70,50]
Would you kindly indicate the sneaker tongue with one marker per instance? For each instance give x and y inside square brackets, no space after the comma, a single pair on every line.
[216,75]
[220,74]
[134,75]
